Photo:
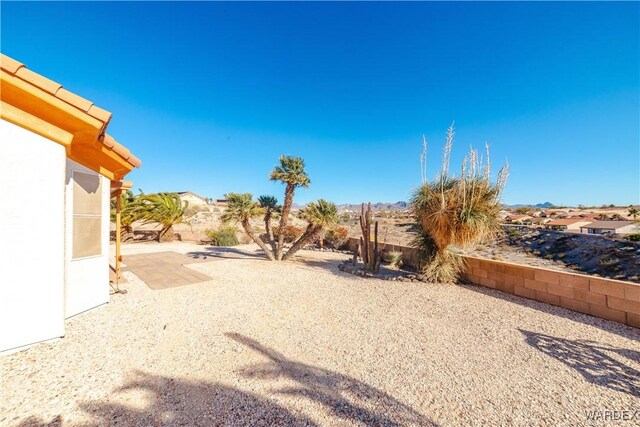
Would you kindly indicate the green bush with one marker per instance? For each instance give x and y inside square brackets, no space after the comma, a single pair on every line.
[634,237]
[393,257]
[224,236]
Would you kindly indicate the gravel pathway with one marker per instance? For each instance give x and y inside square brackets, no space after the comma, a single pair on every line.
[301,343]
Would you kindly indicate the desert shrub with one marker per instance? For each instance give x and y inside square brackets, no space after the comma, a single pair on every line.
[444,267]
[291,233]
[393,257]
[224,236]
[457,211]
[337,237]
[634,237]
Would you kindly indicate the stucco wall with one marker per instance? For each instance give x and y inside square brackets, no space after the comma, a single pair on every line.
[32,172]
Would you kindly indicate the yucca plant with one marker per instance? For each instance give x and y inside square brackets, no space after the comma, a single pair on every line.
[271,208]
[242,209]
[291,172]
[166,209]
[320,216]
[455,211]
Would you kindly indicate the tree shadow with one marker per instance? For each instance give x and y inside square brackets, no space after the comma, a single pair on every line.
[591,361]
[191,403]
[226,252]
[344,397]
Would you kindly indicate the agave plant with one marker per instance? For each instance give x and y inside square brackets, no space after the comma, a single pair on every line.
[456,211]
[320,216]
[166,209]
[291,172]
[242,208]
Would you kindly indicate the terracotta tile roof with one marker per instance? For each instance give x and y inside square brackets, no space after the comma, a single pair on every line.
[19,70]
[515,217]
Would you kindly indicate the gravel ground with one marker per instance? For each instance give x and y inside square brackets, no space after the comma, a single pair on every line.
[300,343]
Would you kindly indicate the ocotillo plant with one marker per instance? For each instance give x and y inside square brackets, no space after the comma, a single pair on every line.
[370,255]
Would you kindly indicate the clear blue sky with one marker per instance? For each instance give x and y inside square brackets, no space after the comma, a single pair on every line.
[208,95]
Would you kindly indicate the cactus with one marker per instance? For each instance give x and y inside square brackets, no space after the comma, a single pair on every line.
[370,255]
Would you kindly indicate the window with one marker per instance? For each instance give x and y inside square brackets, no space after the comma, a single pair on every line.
[87,215]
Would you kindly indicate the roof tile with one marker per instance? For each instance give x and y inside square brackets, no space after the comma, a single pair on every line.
[122,151]
[10,65]
[108,141]
[73,99]
[136,162]
[99,113]
[38,80]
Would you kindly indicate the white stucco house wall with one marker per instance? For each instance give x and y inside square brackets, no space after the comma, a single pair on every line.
[57,166]
[192,199]
[611,227]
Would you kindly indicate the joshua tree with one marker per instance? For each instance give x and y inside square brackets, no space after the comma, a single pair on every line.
[242,208]
[271,207]
[460,211]
[633,212]
[320,216]
[166,209]
[291,172]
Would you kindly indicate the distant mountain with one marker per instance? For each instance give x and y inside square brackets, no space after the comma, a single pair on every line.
[379,206]
[545,205]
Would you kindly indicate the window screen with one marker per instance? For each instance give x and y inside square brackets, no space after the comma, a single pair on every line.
[87,215]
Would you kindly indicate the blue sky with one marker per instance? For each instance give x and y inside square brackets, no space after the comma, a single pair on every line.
[208,95]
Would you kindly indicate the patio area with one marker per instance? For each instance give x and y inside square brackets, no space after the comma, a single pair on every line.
[252,342]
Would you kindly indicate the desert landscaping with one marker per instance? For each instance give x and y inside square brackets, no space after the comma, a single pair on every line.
[349,214]
[263,343]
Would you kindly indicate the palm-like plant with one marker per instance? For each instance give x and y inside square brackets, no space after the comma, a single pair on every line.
[459,211]
[291,172]
[128,212]
[242,208]
[319,215]
[633,212]
[271,207]
[166,209]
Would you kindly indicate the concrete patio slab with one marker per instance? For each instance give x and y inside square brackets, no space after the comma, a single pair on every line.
[163,270]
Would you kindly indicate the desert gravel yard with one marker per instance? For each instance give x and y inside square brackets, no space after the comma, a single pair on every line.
[300,343]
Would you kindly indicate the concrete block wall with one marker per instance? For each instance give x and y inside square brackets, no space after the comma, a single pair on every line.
[605,298]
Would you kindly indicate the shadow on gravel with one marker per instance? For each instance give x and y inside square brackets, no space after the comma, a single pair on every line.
[591,361]
[346,398]
[179,402]
[227,253]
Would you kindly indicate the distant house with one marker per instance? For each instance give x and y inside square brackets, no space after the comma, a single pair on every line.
[518,219]
[611,227]
[567,224]
[223,203]
[192,198]
[540,221]
[59,169]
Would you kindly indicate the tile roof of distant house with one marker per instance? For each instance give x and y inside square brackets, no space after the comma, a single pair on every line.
[18,70]
[607,225]
[517,216]
[567,221]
